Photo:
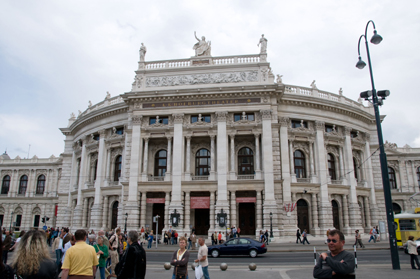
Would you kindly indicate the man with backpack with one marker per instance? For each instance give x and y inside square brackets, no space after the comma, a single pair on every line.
[113,250]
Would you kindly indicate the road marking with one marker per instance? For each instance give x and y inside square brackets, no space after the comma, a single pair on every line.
[283,273]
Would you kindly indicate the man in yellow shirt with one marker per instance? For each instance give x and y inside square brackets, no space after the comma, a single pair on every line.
[80,260]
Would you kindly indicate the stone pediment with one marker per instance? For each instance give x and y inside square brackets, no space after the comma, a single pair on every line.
[301,133]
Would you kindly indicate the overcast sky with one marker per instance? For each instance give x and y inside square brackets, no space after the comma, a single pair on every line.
[55,56]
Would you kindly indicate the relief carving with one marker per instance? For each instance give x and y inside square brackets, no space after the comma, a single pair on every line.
[221,115]
[284,121]
[265,114]
[178,118]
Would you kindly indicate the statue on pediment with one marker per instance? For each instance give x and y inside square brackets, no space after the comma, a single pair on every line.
[263,43]
[202,48]
[143,51]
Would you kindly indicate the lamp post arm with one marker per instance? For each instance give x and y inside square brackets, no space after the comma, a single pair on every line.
[358,45]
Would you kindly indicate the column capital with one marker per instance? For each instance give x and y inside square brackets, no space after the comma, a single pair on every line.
[367,135]
[137,119]
[146,139]
[257,135]
[101,133]
[232,136]
[347,130]
[188,137]
[169,138]
[212,137]
[178,118]
[284,121]
[266,114]
[221,115]
[319,125]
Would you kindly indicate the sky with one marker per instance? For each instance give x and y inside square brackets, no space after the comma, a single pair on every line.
[55,56]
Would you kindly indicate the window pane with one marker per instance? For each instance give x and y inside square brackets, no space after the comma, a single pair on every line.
[207,119]
[237,117]
[165,120]
[250,117]
[407,225]
[152,121]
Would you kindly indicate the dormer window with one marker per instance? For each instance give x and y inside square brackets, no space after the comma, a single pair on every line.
[95,137]
[299,123]
[158,120]
[244,116]
[330,128]
[119,131]
[200,118]
[354,134]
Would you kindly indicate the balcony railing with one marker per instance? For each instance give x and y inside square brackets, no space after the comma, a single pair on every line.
[303,180]
[156,178]
[246,177]
[200,177]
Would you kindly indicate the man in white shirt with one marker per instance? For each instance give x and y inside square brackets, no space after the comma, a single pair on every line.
[202,257]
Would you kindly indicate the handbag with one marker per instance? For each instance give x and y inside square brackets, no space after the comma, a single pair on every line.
[179,276]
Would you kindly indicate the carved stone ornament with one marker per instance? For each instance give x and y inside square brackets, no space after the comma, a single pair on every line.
[137,119]
[394,164]
[357,156]
[93,158]
[115,152]
[240,145]
[347,130]
[266,114]
[264,74]
[333,150]
[39,172]
[178,118]
[6,172]
[389,145]
[198,146]
[221,115]
[155,148]
[303,146]
[210,78]
[319,125]
[284,121]
[23,172]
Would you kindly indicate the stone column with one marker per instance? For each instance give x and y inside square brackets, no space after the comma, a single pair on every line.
[257,156]
[146,156]
[292,162]
[222,161]
[270,204]
[414,176]
[315,229]
[325,209]
[233,209]
[96,215]
[108,166]
[78,211]
[367,213]
[187,211]
[347,229]
[259,213]
[212,159]
[374,210]
[105,214]
[30,186]
[212,215]
[354,210]
[84,214]
[178,154]
[169,160]
[188,159]
[342,172]
[143,205]
[311,162]
[132,205]
[232,157]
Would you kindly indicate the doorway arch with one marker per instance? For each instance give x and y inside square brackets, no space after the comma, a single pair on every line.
[114,219]
[336,215]
[303,215]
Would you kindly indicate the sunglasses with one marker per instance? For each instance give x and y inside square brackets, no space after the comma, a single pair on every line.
[332,240]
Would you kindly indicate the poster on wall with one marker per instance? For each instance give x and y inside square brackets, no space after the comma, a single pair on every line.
[200,202]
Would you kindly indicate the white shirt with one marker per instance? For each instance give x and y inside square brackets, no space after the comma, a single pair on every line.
[202,251]
[66,247]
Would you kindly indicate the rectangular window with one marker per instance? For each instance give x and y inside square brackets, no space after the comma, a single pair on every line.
[246,116]
[407,224]
[18,220]
[96,137]
[354,134]
[299,123]
[329,128]
[204,118]
[1,220]
[36,221]
[120,131]
[161,120]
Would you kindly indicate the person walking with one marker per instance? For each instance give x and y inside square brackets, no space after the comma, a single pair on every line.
[372,234]
[121,246]
[202,257]
[193,240]
[113,251]
[150,240]
[412,251]
[358,238]
[32,258]
[80,260]
[6,272]
[7,243]
[102,252]
[133,262]
[56,248]
[238,232]
[219,237]
[298,236]
[180,260]
[305,235]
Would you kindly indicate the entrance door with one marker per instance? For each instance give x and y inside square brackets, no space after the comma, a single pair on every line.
[158,209]
[336,216]
[303,216]
[202,221]
[114,219]
[247,218]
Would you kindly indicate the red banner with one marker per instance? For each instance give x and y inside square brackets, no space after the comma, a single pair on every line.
[155,200]
[246,200]
[200,202]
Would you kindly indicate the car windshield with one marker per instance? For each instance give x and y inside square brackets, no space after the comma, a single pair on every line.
[232,242]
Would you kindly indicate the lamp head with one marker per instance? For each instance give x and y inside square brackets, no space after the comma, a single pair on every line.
[383,93]
[366,94]
[376,39]
[360,64]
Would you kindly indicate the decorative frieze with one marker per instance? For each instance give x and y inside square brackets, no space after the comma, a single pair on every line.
[221,115]
[178,118]
[137,119]
[320,125]
[266,114]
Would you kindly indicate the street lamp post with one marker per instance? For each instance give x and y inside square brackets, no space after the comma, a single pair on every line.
[271,224]
[11,220]
[125,225]
[376,39]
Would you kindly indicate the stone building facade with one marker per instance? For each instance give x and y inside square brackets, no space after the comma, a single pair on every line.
[208,135]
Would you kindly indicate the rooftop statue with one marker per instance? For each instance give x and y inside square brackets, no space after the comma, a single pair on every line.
[202,48]
[143,51]
[263,43]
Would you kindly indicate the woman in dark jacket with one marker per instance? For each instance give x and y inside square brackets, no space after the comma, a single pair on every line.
[32,259]
[6,272]
[180,259]
[133,262]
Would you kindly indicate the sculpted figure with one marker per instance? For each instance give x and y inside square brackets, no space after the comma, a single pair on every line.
[202,48]
[143,51]
[313,85]
[90,104]
[108,95]
[263,43]
[279,79]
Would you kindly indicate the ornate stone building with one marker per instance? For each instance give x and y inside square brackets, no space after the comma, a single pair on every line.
[206,135]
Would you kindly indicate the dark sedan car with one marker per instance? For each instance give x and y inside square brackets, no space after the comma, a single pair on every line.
[238,246]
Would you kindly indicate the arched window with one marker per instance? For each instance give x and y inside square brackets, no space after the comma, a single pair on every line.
[336,215]
[299,159]
[396,208]
[355,167]
[418,176]
[23,184]
[78,162]
[95,169]
[202,162]
[245,161]
[331,166]
[117,168]
[5,185]
[392,180]
[160,162]
[40,185]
